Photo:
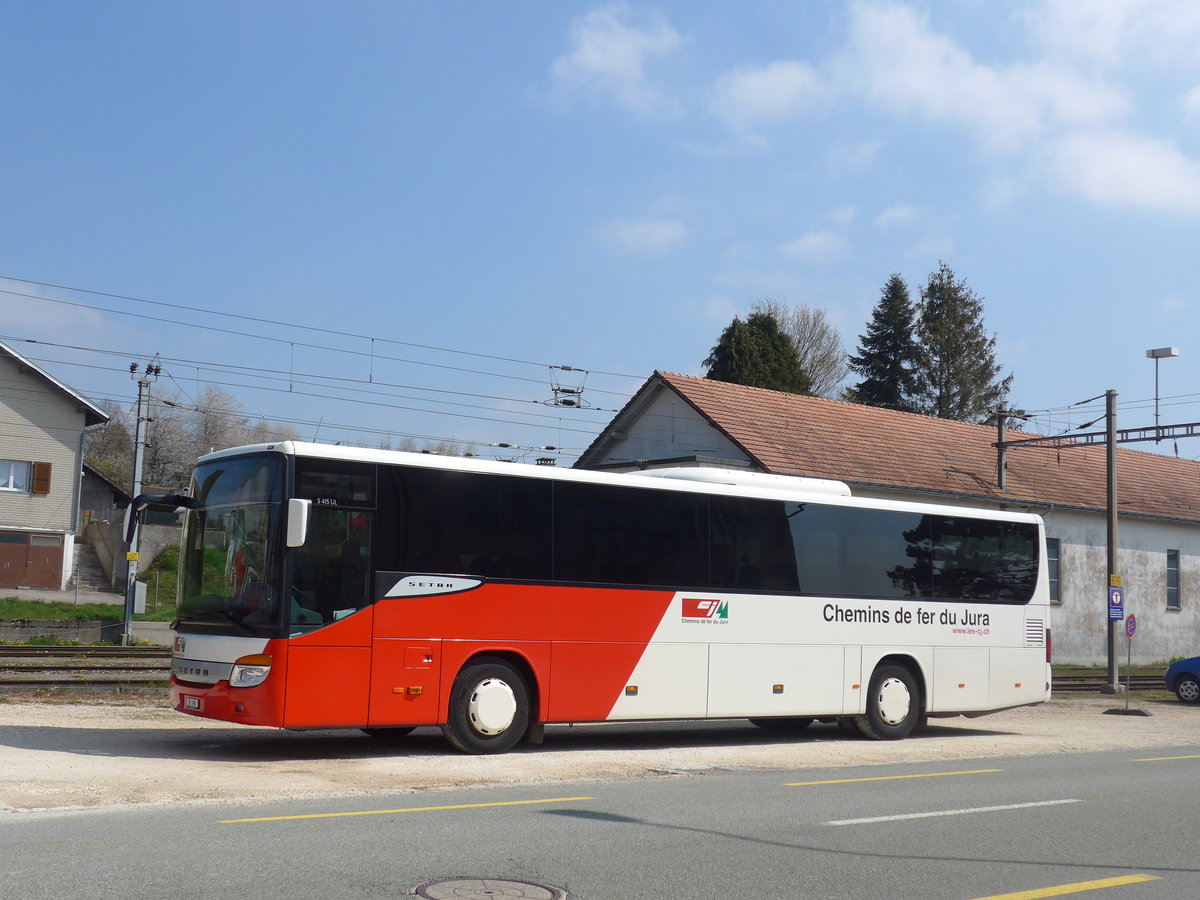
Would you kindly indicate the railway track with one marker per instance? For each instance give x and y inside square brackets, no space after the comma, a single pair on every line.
[25,669]
[1079,684]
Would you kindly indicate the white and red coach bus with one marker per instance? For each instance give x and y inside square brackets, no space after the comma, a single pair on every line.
[327,586]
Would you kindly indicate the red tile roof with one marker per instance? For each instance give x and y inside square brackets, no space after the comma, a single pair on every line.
[864,445]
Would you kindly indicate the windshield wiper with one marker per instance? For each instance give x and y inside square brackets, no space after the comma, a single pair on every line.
[211,613]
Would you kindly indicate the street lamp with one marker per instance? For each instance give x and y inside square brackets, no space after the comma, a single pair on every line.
[1156,355]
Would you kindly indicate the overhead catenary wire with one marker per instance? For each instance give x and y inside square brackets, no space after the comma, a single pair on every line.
[346,428]
[377,403]
[371,356]
[274,322]
[259,373]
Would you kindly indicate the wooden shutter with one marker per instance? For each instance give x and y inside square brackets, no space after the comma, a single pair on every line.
[41,478]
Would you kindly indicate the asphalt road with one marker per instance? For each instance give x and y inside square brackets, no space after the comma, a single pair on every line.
[1117,824]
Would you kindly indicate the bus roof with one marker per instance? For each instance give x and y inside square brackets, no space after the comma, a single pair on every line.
[697,479]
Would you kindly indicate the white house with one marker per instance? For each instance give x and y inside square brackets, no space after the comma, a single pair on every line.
[42,425]
[681,420]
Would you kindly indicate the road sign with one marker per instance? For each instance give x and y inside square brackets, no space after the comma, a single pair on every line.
[1130,626]
[1116,603]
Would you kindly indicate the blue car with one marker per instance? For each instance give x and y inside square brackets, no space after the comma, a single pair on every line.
[1183,678]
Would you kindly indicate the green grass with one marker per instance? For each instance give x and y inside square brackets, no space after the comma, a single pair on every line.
[162,583]
[14,608]
[161,578]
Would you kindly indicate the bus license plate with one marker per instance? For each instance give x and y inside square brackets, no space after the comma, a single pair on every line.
[191,702]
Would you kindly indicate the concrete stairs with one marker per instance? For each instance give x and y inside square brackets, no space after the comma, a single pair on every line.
[89,574]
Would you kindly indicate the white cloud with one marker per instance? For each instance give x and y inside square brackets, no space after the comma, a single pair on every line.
[1115,32]
[608,56]
[1174,303]
[816,246]
[714,307]
[1128,171]
[749,99]
[1000,192]
[643,237]
[852,157]
[842,216]
[1191,103]
[896,215]
[896,59]
[35,311]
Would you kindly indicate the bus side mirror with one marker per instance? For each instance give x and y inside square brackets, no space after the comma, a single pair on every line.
[130,523]
[297,522]
[142,502]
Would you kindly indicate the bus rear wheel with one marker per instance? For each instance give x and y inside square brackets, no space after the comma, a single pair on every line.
[893,705]
[489,707]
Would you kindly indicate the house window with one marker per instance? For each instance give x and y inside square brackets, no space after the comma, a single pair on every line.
[1172,579]
[15,475]
[1053,550]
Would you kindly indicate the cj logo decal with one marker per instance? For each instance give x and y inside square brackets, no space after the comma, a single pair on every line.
[705,610]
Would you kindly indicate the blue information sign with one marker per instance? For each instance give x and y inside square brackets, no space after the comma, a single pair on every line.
[1116,604]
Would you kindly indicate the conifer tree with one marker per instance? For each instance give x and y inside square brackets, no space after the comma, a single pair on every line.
[888,356]
[957,377]
[757,353]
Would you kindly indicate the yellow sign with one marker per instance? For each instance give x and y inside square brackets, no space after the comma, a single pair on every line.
[131,557]
[1114,581]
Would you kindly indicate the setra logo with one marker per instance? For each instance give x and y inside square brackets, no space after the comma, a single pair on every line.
[708,610]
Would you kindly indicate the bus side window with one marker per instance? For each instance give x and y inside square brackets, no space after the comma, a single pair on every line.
[329,573]
[752,545]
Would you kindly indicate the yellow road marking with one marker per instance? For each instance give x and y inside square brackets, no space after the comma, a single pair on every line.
[1165,758]
[413,809]
[890,778]
[1077,888]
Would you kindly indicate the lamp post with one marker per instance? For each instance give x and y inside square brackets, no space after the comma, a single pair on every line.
[1156,355]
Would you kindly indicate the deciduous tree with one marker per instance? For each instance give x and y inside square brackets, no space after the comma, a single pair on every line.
[818,344]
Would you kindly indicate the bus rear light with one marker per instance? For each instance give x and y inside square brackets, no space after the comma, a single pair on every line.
[250,671]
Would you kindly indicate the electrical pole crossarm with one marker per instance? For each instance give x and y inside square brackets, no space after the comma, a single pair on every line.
[1123,436]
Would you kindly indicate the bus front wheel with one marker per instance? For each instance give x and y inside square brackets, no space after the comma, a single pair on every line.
[489,707]
[893,705]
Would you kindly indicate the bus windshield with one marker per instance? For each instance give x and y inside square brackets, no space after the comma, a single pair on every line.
[230,554]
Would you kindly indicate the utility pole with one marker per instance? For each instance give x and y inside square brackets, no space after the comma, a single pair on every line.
[151,371]
[1114,578]
[1001,446]
[1110,437]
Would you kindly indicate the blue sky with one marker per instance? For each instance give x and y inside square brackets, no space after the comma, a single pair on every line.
[503,188]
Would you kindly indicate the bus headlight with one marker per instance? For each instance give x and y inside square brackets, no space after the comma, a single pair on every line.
[250,671]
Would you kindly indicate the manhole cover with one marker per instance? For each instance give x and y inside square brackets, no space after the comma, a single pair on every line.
[487,889]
